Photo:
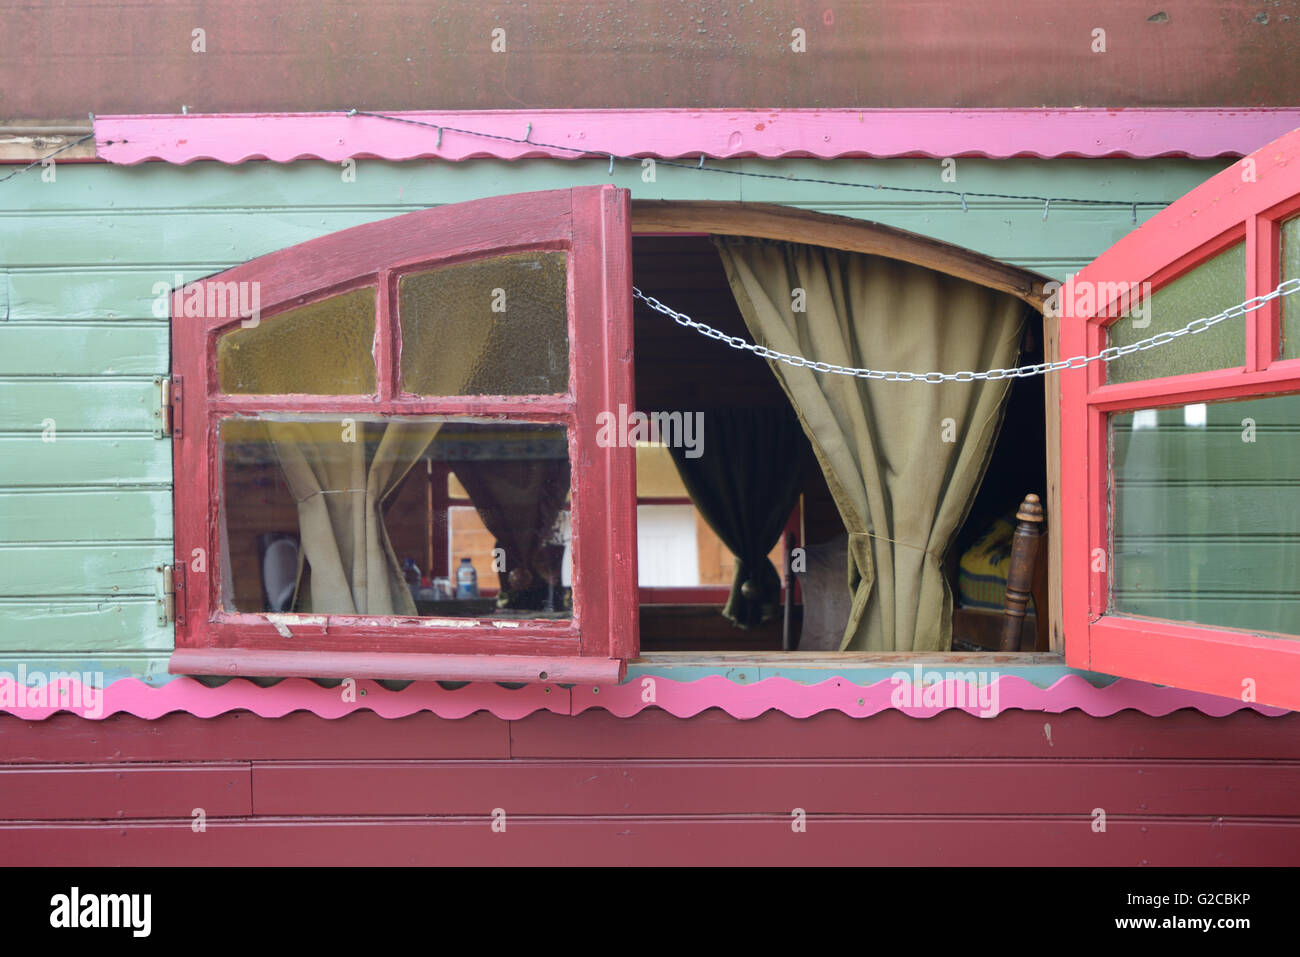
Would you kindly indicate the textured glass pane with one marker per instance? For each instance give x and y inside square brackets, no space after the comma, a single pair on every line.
[491,327]
[357,500]
[1291,304]
[1205,291]
[1207,513]
[321,349]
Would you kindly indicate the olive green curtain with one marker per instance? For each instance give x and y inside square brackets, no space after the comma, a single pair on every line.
[745,482]
[902,459]
[340,479]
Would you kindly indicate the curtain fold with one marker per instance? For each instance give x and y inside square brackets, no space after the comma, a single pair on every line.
[902,459]
[745,482]
[340,487]
[518,501]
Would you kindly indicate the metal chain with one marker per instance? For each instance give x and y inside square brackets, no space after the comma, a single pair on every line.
[1287,288]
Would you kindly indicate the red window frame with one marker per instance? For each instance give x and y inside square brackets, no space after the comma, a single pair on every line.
[592,224]
[1248,201]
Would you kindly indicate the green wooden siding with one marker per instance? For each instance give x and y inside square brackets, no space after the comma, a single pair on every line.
[85,519]
[1207,513]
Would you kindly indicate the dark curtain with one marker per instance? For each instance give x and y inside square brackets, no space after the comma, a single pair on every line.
[745,483]
[518,501]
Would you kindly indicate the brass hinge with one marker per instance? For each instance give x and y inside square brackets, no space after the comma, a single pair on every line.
[171,599]
[167,414]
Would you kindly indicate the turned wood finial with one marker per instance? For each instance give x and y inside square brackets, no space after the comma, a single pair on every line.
[1031,509]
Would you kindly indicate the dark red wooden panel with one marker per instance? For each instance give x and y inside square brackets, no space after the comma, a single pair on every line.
[910,840]
[589,788]
[261,55]
[242,736]
[1073,734]
[52,793]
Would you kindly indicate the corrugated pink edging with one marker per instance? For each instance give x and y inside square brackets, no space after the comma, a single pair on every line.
[825,134]
[682,699]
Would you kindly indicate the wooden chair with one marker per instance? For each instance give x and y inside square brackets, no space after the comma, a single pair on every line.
[986,630]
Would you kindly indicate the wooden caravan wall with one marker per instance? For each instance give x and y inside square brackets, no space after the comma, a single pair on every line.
[86,518]
[1019,789]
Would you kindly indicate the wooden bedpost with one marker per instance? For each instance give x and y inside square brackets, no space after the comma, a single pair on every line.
[1020,576]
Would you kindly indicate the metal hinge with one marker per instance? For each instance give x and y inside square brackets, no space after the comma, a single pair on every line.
[171,598]
[167,414]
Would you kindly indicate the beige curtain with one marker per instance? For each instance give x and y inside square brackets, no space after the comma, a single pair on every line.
[340,488]
[902,459]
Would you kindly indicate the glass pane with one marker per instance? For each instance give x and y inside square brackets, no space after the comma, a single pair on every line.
[1207,513]
[1291,304]
[1207,290]
[321,349]
[491,327]
[356,497]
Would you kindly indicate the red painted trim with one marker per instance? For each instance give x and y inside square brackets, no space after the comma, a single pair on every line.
[1244,201]
[592,225]
[722,133]
[402,666]
[1177,654]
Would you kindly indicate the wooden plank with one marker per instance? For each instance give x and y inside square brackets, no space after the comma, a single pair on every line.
[597,788]
[621,841]
[242,736]
[85,626]
[68,792]
[838,232]
[71,460]
[97,292]
[1198,566]
[78,405]
[82,569]
[1074,734]
[68,348]
[102,515]
[651,734]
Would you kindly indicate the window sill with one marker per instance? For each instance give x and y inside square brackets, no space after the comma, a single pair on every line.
[246,662]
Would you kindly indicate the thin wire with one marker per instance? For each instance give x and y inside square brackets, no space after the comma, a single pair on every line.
[38,162]
[601,154]
[1287,288]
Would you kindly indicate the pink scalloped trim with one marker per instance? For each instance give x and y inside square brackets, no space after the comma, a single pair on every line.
[684,699]
[680,698]
[771,134]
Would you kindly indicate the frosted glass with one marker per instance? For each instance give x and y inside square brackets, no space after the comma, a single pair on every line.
[1291,304]
[320,349]
[1205,291]
[490,327]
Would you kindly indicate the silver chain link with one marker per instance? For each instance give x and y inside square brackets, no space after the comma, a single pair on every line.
[1287,288]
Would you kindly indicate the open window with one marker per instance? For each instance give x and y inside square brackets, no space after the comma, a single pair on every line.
[1180,464]
[481,340]
[681,252]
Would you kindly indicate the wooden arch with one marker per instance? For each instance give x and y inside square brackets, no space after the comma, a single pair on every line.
[770,221]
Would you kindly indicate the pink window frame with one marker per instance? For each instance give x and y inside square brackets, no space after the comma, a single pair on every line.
[1248,201]
[592,225]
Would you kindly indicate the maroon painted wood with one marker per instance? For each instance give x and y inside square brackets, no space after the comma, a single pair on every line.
[592,224]
[770,786]
[1183,789]
[68,792]
[881,840]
